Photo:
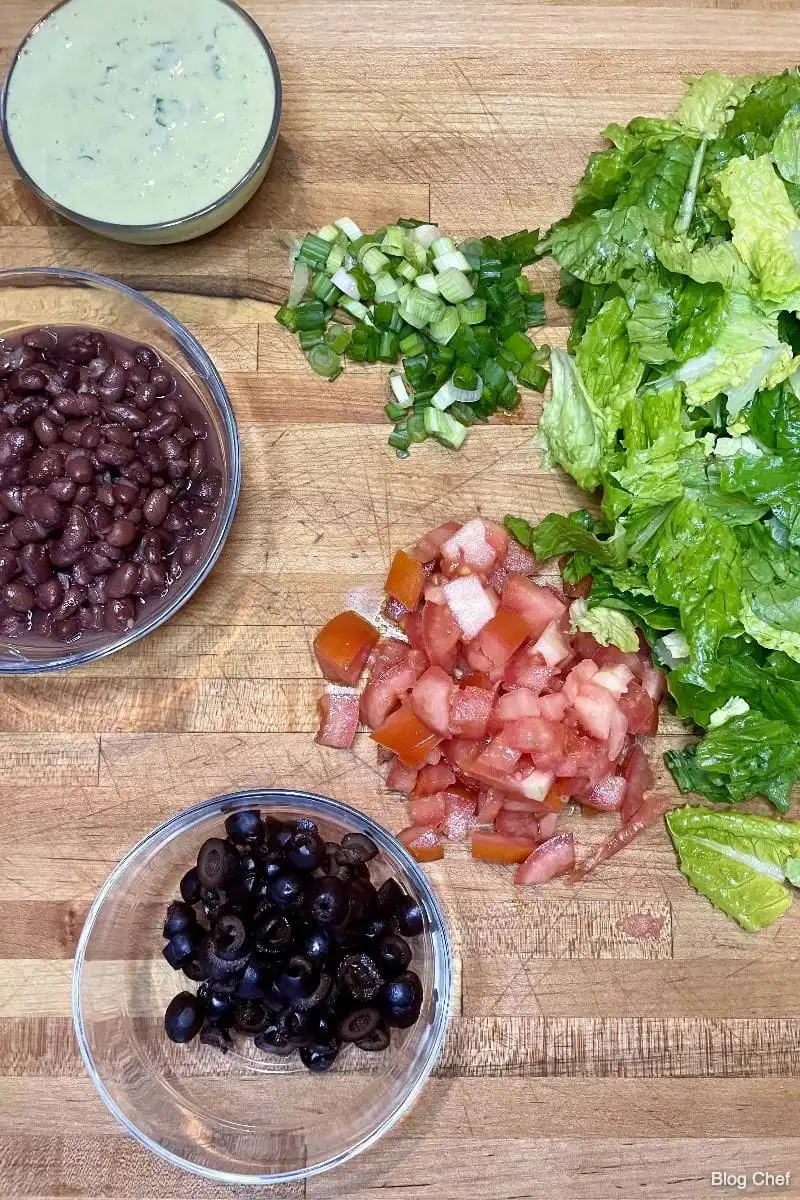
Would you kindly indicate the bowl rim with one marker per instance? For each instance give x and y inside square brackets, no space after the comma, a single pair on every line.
[111,228]
[442,955]
[206,369]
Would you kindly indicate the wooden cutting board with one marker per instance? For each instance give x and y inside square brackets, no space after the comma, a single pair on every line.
[620,1039]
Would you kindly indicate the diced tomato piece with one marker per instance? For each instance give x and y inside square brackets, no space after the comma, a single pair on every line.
[440,635]
[489,804]
[547,825]
[428,810]
[640,710]
[400,778]
[412,624]
[407,737]
[498,539]
[527,669]
[583,756]
[343,646]
[470,712]
[580,590]
[382,695]
[519,560]
[395,611]
[472,604]
[617,735]
[553,706]
[501,637]
[388,652]
[534,733]
[497,578]
[460,815]
[612,656]
[639,778]
[537,605]
[614,679]
[461,752]
[339,720]
[553,645]
[585,645]
[405,580]
[536,784]
[595,708]
[434,593]
[495,847]
[433,758]
[431,697]
[607,794]
[430,546]
[554,857]
[432,779]
[558,795]
[424,844]
[516,705]
[517,824]
[654,683]
[496,760]
[477,546]
[521,804]
[477,679]
[580,674]
[648,811]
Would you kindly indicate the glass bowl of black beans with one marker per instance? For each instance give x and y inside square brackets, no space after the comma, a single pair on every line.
[263,986]
[120,467]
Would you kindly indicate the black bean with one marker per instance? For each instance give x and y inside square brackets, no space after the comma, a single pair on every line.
[72,404]
[156,507]
[64,490]
[75,533]
[119,615]
[46,432]
[40,339]
[44,510]
[123,581]
[35,563]
[18,596]
[14,445]
[44,467]
[9,565]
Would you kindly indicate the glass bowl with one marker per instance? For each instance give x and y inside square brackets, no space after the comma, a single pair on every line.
[183,229]
[51,296]
[240,1117]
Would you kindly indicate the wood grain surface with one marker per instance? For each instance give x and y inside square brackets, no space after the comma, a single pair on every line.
[594,1054]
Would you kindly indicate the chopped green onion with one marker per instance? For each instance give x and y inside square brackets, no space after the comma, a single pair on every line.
[400,392]
[373,261]
[413,344]
[533,375]
[366,286]
[423,397]
[310,337]
[454,285]
[395,412]
[313,251]
[336,258]
[356,309]
[508,397]
[322,289]
[472,311]
[522,247]
[385,288]
[444,428]
[534,310]
[441,245]
[427,283]
[388,347]
[310,315]
[382,315]
[324,361]
[338,337]
[393,241]
[415,254]
[450,394]
[521,346]
[444,328]
[416,428]
[408,272]
[348,228]
[420,309]
[443,262]
[415,367]
[346,283]
[328,233]
[426,235]
[463,413]
[285,316]
[399,438]
[466,377]
[473,252]
[301,276]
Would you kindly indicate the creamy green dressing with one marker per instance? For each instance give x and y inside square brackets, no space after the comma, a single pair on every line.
[138,112]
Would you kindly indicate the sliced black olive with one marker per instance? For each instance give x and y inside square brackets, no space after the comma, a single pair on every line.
[254,983]
[287,890]
[359,1023]
[304,850]
[401,1000]
[317,997]
[218,966]
[216,863]
[360,846]
[180,948]
[245,828]
[328,900]
[317,945]
[193,970]
[298,978]
[377,1040]
[393,955]
[320,1056]
[390,897]
[273,1041]
[229,935]
[250,1016]
[273,936]
[409,918]
[219,1004]
[184,1017]
[215,1036]
[190,886]
[358,975]
[180,917]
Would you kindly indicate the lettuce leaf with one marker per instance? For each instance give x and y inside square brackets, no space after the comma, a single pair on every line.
[766,229]
[609,367]
[765,107]
[786,147]
[769,479]
[774,416]
[608,626]
[755,755]
[602,247]
[557,535]
[710,102]
[737,861]
[571,427]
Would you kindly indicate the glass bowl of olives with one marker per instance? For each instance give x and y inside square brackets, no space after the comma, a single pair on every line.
[262,986]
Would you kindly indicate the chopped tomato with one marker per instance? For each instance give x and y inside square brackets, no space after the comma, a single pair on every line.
[552,707]
[440,635]
[580,674]
[648,811]
[489,804]
[460,815]
[654,683]
[495,847]
[461,752]
[583,756]
[434,593]
[580,590]
[639,778]
[472,604]
[534,733]
[432,779]
[400,777]
[496,760]
[339,720]
[343,646]
[497,578]
[595,708]
[614,679]
[558,795]
[389,652]
[430,546]
[612,656]
[424,844]
[586,645]
[431,697]
[470,712]
[607,794]
[471,548]
[382,695]
[477,679]
[514,706]
[405,580]
[407,737]
[428,810]
[412,624]
[617,735]
[554,857]
[527,669]
[519,560]
[537,605]
[501,637]
[517,824]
